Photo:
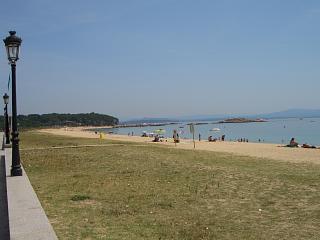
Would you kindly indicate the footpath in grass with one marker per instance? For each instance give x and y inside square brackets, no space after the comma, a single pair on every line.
[139,191]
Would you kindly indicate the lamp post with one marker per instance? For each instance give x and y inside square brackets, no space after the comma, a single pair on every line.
[12,44]
[6,118]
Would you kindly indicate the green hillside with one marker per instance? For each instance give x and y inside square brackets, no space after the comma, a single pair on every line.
[56,120]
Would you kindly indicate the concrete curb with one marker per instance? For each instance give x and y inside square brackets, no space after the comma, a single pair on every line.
[27,219]
[4,215]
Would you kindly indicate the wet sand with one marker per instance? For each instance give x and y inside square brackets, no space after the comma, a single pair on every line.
[261,150]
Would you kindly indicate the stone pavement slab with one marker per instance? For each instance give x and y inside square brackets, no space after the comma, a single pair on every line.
[4,217]
[27,219]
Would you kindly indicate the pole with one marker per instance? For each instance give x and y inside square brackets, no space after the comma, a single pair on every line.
[6,124]
[16,166]
[194,142]
[192,131]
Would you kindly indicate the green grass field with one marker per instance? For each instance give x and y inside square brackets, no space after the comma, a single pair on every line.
[143,191]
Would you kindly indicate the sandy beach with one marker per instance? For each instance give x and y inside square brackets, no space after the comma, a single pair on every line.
[261,150]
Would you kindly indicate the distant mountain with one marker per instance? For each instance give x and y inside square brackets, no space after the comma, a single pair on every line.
[292,113]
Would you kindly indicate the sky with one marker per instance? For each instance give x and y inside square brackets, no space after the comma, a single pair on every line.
[158,58]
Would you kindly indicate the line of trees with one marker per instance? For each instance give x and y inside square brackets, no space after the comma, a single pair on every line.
[60,120]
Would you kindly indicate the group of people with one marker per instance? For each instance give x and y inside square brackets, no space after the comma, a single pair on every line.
[243,140]
[176,138]
[211,139]
[293,143]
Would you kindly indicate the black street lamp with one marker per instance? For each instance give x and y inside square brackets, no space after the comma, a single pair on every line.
[6,118]
[12,44]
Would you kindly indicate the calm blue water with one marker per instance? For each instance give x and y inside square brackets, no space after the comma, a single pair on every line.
[305,130]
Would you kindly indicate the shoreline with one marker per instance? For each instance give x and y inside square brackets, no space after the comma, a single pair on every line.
[260,150]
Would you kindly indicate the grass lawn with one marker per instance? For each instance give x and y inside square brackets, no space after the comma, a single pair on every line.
[140,191]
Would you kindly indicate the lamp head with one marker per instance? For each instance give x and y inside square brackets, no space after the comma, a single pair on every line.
[12,44]
[6,98]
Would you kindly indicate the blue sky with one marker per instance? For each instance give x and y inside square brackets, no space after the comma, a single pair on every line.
[151,58]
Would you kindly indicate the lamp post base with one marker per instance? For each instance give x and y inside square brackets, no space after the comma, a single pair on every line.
[7,145]
[16,165]
[16,171]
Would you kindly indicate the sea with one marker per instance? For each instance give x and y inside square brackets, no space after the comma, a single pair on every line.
[304,130]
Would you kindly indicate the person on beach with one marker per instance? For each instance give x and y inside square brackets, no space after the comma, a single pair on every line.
[210,139]
[175,136]
[199,137]
[101,135]
[305,145]
[156,138]
[177,139]
[292,143]
[144,134]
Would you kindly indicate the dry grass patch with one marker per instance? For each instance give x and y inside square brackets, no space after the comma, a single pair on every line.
[155,192]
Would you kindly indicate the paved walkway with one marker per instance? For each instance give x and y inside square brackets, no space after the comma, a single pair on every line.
[4,217]
[27,218]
